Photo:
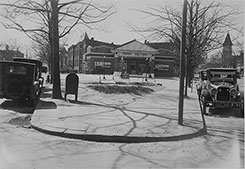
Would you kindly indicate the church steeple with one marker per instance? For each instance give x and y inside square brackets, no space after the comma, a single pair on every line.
[227,41]
[86,36]
[227,52]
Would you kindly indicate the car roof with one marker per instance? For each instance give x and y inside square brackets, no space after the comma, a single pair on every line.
[16,63]
[222,69]
[26,60]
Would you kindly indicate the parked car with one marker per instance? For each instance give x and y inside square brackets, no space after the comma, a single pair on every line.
[38,68]
[18,81]
[218,88]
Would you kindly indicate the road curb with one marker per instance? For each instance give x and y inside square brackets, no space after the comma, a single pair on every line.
[116,138]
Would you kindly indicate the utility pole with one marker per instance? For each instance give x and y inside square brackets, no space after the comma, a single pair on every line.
[104,67]
[182,65]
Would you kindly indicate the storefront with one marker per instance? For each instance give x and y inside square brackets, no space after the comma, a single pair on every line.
[164,68]
[135,65]
[134,57]
[101,65]
[99,60]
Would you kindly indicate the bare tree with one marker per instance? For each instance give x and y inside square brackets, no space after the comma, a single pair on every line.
[41,49]
[54,19]
[214,61]
[206,26]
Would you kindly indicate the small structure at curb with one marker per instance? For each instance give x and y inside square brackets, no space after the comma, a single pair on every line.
[71,86]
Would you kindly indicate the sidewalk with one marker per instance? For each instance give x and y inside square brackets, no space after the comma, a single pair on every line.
[136,119]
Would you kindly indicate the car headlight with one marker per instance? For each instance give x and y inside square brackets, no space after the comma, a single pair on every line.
[36,83]
[233,92]
[213,91]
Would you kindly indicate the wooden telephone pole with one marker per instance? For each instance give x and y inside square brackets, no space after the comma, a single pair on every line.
[182,65]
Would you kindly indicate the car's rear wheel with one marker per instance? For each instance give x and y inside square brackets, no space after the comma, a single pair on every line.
[15,89]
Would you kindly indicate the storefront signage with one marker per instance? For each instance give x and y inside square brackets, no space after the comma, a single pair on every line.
[102,64]
[162,67]
[134,55]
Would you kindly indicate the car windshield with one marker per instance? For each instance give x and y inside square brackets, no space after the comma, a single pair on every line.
[220,76]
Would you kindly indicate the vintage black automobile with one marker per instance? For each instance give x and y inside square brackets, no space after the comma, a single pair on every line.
[218,88]
[19,81]
[38,68]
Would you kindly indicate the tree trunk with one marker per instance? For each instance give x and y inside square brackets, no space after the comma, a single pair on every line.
[51,59]
[55,45]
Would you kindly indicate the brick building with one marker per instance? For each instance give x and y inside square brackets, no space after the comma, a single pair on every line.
[97,57]
[85,54]
[165,60]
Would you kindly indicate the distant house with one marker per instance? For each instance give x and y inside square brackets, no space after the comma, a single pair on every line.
[10,54]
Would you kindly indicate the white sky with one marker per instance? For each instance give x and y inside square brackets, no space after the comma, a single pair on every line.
[116,27]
